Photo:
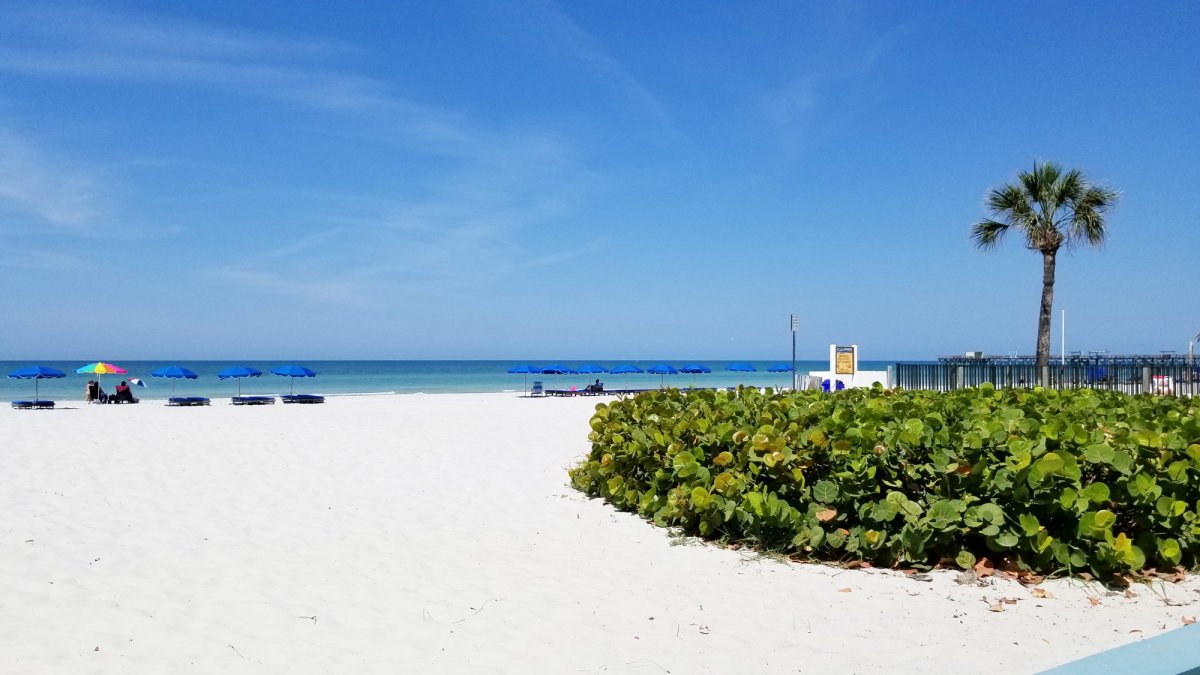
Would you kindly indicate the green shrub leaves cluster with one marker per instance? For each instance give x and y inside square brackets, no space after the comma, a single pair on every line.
[1052,481]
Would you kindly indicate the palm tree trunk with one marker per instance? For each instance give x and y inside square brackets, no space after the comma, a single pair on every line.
[1043,339]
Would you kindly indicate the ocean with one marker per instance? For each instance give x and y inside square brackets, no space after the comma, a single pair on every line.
[386,377]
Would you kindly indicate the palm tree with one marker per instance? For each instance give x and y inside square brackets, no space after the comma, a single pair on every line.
[1052,209]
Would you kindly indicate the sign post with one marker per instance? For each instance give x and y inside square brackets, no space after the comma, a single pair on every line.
[795,326]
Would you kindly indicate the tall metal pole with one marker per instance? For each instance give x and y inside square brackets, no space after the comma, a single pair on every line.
[1064,337]
[795,326]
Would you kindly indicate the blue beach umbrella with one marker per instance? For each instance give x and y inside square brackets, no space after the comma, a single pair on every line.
[237,373]
[173,373]
[741,368]
[557,369]
[36,373]
[780,368]
[693,368]
[662,369]
[526,370]
[591,369]
[626,369]
[292,372]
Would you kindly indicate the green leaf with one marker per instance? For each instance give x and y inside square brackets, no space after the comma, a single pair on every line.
[1067,498]
[1122,462]
[835,539]
[1166,507]
[1097,493]
[1030,524]
[1105,519]
[1177,472]
[965,559]
[755,501]
[1099,454]
[945,512]
[884,511]
[1170,551]
[991,513]
[825,492]
[1007,540]
[1050,463]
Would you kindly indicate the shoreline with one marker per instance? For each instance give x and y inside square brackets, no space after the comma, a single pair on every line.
[439,533]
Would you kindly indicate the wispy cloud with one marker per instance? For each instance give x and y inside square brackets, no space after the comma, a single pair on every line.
[792,109]
[53,191]
[89,43]
[463,236]
[568,34]
[452,228]
[36,259]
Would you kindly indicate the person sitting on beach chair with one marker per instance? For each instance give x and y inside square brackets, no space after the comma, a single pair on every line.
[124,394]
[595,388]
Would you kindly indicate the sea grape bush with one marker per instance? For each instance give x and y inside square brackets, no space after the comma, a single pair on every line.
[1052,481]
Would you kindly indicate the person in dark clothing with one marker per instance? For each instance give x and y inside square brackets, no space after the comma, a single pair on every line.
[124,394]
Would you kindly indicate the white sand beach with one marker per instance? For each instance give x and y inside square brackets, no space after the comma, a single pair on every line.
[438,534]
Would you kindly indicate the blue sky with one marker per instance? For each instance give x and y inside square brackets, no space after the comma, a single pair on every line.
[583,180]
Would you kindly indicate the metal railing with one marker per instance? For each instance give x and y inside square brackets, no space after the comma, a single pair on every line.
[1164,374]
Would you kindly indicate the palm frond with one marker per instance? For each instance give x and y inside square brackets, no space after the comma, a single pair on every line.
[1089,207]
[988,233]
[1010,203]
[1068,189]
[1051,207]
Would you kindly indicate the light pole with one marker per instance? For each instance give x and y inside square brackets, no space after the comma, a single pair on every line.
[795,326]
[1064,337]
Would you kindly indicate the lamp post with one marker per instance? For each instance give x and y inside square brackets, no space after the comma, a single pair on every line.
[795,326]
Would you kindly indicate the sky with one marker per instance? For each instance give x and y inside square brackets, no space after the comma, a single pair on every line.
[530,179]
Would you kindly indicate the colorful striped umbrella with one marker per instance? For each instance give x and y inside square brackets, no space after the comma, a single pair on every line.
[101,368]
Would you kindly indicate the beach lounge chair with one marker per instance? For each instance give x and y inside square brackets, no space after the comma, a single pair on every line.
[188,401]
[302,398]
[537,389]
[33,405]
[836,385]
[252,400]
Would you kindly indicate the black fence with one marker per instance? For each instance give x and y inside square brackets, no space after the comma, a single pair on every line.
[1164,374]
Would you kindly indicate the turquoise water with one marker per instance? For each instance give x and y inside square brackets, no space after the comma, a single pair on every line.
[399,377]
